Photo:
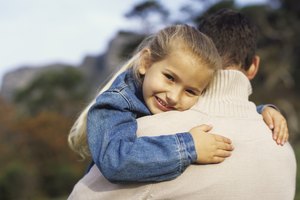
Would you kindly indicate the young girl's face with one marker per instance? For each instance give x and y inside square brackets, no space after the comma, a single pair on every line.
[174,83]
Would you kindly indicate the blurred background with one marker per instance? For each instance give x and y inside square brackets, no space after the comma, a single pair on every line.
[54,56]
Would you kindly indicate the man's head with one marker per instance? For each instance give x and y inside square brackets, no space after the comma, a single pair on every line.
[235,37]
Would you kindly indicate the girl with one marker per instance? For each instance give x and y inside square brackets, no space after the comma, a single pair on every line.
[169,72]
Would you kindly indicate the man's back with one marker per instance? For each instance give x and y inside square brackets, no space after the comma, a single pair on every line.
[257,169]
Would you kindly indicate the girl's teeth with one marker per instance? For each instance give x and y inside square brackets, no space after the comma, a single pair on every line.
[161,102]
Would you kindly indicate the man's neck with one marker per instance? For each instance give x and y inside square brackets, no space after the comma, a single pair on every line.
[227,95]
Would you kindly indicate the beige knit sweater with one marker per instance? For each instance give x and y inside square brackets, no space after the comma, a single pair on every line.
[258,168]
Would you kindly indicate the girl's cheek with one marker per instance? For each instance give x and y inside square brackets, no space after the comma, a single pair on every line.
[193,102]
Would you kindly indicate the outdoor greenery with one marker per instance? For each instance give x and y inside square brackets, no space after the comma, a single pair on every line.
[35,158]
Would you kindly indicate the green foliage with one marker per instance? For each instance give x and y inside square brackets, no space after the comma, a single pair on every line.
[62,178]
[215,7]
[37,160]
[145,9]
[53,90]
[14,177]
[41,163]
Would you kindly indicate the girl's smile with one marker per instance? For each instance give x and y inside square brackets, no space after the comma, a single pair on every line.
[162,105]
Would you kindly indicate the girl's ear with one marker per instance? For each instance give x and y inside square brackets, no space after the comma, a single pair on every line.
[144,61]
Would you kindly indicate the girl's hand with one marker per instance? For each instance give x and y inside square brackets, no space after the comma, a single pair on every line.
[277,123]
[210,148]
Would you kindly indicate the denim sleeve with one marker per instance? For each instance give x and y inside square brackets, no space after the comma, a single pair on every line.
[121,156]
[260,108]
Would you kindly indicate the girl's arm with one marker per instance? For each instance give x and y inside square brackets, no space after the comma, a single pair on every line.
[122,156]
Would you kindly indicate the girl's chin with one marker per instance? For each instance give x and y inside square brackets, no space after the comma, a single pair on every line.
[156,111]
[159,112]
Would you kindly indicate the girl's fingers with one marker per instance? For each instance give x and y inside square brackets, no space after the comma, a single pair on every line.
[269,121]
[224,146]
[276,131]
[285,135]
[286,138]
[223,153]
[217,159]
[280,134]
[205,127]
[222,139]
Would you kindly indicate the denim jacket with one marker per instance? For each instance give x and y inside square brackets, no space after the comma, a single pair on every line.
[120,155]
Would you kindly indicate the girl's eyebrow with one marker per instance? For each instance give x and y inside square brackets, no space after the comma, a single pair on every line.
[173,74]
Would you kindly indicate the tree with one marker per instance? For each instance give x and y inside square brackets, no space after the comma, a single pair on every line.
[36,142]
[147,12]
[55,165]
[56,90]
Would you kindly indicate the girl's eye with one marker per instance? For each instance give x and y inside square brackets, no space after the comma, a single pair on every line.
[191,92]
[169,77]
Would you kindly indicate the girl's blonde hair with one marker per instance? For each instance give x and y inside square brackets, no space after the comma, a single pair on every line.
[159,46]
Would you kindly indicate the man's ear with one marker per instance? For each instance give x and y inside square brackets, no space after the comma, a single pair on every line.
[253,69]
[144,63]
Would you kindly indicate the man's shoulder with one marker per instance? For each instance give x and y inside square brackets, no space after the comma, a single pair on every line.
[169,122]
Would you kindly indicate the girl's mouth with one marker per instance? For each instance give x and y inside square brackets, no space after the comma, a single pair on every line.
[162,105]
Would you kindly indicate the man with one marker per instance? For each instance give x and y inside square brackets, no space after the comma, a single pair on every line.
[257,168]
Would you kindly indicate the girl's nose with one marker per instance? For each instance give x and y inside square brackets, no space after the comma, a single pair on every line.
[173,97]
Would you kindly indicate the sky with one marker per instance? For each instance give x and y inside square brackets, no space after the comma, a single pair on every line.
[41,32]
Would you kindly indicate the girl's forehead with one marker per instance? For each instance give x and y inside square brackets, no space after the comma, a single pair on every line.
[185,56]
